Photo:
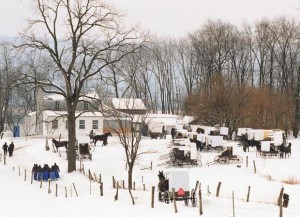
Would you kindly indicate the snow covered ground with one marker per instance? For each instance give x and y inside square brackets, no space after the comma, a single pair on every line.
[20,198]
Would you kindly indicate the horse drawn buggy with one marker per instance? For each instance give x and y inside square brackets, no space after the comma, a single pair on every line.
[269,150]
[179,182]
[84,149]
[184,153]
[227,157]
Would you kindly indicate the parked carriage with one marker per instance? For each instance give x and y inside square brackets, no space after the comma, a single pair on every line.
[185,153]
[227,157]
[84,149]
[268,150]
[179,181]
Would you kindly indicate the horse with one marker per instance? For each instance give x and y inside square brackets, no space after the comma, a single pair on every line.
[59,144]
[199,144]
[163,185]
[286,150]
[101,138]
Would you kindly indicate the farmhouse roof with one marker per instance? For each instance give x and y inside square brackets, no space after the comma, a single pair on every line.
[51,113]
[128,103]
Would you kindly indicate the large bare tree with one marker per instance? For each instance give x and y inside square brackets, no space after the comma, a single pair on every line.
[76,35]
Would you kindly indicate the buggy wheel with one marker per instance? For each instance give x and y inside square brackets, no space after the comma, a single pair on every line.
[92,148]
[194,199]
[240,159]
[219,148]
[227,160]
[167,197]
[159,197]
[186,201]
[217,158]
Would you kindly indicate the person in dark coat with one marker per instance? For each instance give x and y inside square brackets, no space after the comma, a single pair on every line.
[39,173]
[11,148]
[91,134]
[5,147]
[46,171]
[34,171]
[56,170]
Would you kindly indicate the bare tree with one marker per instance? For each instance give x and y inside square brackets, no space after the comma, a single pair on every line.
[9,75]
[76,35]
[129,128]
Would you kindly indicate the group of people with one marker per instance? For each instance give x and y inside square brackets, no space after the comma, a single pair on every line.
[45,173]
[9,149]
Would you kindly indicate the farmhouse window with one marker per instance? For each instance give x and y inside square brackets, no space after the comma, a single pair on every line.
[95,125]
[82,124]
[55,124]
[57,106]
[67,124]
[85,106]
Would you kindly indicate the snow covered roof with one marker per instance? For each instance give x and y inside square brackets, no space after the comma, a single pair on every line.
[58,97]
[51,113]
[128,103]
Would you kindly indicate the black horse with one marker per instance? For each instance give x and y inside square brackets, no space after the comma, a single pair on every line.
[200,146]
[285,150]
[101,138]
[59,144]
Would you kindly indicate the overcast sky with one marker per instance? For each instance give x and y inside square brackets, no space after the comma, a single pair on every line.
[172,18]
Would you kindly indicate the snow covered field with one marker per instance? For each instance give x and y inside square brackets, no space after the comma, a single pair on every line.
[20,198]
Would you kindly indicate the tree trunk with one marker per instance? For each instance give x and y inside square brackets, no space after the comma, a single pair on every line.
[130,181]
[72,140]
[130,171]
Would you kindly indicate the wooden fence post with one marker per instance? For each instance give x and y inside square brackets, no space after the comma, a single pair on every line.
[196,186]
[233,211]
[200,202]
[25,175]
[101,189]
[117,193]
[246,161]
[218,189]
[254,166]
[31,181]
[75,190]
[144,187]
[280,208]
[248,195]
[133,185]
[280,196]
[151,166]
[113,180]
[90,187]
[123,184]
[49,185]
[66,191]
[19,171]
[56,189]
[152,196]
[173,194]
[100,178]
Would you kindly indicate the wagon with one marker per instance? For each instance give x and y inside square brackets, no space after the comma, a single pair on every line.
[84,149]
[268,150]
[185,154]
[179,182]
[227,157]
